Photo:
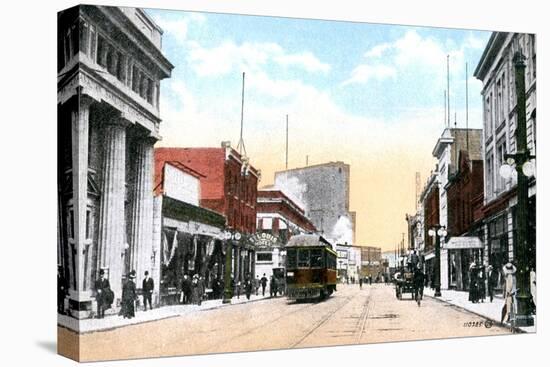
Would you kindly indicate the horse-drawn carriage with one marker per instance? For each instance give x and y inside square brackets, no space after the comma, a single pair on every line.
[404,283]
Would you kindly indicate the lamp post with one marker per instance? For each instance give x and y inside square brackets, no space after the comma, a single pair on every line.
[437,231]
[230,236]
[524,169]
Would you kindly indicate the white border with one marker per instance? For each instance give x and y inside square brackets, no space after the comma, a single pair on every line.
[28,183]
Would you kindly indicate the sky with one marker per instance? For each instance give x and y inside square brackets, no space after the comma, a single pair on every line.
[370,95]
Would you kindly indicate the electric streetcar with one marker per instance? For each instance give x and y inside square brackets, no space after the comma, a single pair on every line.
[310,267]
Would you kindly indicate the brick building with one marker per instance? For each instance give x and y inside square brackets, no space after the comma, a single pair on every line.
[189,237]
[464,199]
[229,186]
[278,219]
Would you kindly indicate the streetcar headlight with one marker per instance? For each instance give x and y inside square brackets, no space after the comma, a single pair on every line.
[290,274]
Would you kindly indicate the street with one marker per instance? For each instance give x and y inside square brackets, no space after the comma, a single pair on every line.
[349,316]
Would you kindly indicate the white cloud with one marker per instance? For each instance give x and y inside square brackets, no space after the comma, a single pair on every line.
[228,56]
[178,27]
[306,60]
[363,73]
[378,50]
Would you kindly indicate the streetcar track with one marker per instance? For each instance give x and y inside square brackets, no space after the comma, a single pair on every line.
[260,326]
[322,322]
[365,317]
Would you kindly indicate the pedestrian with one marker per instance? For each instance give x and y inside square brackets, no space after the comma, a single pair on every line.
[508,311]
[480,284]
[61,290]
[202,289]
[418,282]
[257,284]
[238,288]
[263,281]
[103,293]
[148,285]
[473,294]
[129,296]
[370,279]
[492,282]
[248,287]
[186,289]
[195,290]
[360,283]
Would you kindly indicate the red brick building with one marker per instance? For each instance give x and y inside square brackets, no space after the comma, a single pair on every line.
[229,184]
[285,213]
[431,216]
[465,201]
[278,219]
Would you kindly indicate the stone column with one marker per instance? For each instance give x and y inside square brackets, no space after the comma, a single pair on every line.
[113,192]
[141,240]
[79,136]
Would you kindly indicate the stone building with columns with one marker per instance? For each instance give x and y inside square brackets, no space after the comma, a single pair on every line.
[110,65]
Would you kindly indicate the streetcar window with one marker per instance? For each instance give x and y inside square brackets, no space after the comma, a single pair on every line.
[303,258]
[291,258]
[316,258]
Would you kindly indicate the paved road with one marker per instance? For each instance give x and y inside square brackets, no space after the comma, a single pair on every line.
[350,316]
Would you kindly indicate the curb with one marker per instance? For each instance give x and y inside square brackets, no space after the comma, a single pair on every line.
[515,329]
[110,328]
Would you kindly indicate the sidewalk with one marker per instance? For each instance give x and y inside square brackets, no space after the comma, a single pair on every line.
[488,310]
[164,312]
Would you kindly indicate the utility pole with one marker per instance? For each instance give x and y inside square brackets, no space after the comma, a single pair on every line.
[448,94]
[240,147]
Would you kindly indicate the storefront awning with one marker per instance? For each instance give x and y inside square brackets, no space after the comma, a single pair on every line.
[429,256]
[460,243]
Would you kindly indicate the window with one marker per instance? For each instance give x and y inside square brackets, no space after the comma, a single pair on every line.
[264,256]
[303,258]
[316,258]
[291,258]
[501,151]
[498,104]
[489,165]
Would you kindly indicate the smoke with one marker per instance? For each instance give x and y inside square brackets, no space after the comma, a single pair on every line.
[293,188]
[342,231]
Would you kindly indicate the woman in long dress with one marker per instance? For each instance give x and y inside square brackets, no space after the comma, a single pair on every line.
[129,297]
[509,271]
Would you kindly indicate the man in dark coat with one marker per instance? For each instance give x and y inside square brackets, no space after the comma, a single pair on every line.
[129,296]
[148,285]
[186,289]
[248,287]
[61,290]
[263,282]
[102,287]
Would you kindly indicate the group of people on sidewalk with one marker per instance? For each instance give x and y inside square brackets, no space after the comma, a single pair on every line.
[105,296]
[192,290]
[507,279]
